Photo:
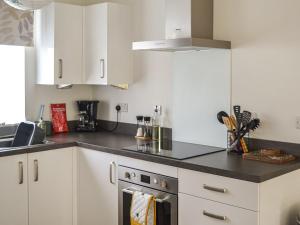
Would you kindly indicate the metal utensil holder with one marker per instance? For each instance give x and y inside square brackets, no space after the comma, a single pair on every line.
[233,144]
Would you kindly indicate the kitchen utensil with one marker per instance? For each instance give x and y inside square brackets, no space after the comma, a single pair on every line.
[252,125]
[220,116]
[233,121]
[227,122]
[237,110]
[238,116]
[246,117]
[243,142]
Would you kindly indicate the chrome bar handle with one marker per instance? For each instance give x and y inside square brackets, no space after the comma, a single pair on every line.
[36,170]
[21,173]
[128,191]
[215,189]
[214,216]
[111,167]
[102,68]
[60,68]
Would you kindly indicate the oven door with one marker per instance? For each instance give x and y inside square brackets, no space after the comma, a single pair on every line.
[166,204]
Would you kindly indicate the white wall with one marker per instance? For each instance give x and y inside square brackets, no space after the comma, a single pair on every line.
[265,39]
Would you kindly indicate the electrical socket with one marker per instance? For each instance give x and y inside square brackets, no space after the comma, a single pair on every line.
[124,107]
[298,122]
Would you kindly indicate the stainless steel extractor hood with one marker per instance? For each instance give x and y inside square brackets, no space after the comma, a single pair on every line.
[189,26]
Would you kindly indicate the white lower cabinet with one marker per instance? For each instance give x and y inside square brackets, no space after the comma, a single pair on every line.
[50,178]
[77,186]
[198,211]
[13,190]
[97,190]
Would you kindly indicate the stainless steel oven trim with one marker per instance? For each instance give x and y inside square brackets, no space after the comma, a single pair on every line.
[172,182]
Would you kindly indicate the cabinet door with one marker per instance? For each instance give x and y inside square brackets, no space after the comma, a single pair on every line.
[95,44]
[68,43]
[198,211]
[50,175]
[13,190]
[98,192]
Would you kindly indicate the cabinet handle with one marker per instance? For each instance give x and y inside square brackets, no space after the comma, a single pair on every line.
[111,167]
[21,175]
[215,189]
[102,68]
[36,170]
[214,216]
[60,68]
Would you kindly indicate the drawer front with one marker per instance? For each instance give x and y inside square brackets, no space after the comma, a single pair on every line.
[230,191]
[198,211]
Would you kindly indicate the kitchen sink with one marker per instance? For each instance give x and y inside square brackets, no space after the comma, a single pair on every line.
[5,143]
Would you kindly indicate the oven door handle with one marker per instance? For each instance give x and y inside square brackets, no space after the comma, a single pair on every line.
[159,200]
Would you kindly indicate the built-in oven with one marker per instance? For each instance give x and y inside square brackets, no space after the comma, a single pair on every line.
[164,188]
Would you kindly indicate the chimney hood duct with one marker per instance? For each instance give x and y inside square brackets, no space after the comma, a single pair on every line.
[188,26]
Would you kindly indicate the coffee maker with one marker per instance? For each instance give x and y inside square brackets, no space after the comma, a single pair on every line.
[87,116]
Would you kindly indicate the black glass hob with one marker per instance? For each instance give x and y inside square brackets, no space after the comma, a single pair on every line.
[173,149]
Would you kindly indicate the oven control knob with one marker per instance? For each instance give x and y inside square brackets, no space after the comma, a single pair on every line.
[164,184]
[133,175]
[127,175]
[155,181]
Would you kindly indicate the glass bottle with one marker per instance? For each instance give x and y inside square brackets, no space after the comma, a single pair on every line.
[41,123]
[156,126]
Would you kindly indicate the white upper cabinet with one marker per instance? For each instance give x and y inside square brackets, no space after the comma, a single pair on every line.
[107,44]
[83,44]
[58,41]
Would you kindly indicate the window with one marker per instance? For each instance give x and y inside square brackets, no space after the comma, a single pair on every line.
[12,84]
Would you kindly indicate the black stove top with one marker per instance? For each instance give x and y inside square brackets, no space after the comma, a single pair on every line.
[173,149]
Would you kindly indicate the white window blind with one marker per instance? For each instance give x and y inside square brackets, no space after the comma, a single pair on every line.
[12,84]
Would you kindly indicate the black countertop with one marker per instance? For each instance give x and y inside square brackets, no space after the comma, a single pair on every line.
[220,163]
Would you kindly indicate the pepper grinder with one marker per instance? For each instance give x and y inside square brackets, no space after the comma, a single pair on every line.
[140,130]
[147,122]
